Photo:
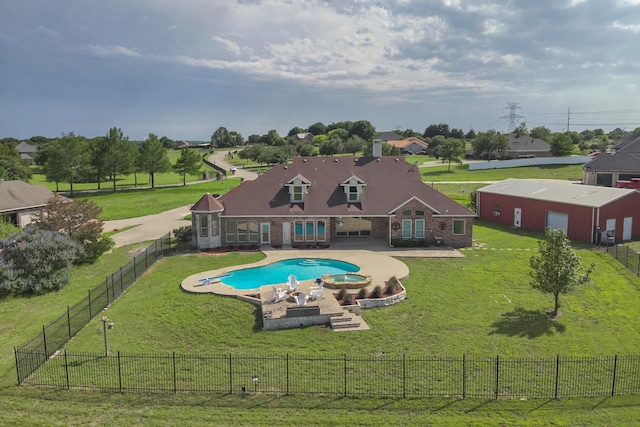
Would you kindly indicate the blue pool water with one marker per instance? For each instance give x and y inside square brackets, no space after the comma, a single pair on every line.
[278,272]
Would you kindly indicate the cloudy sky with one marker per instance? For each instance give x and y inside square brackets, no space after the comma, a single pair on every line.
[184,68]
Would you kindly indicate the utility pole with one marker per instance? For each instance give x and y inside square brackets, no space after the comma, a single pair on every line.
[568,116]
[513,115]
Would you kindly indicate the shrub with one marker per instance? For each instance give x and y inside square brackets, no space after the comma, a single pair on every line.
[392,285]
[377,292]
[37,261]
[348,299]
[342,294]
[362,294]
[183,234]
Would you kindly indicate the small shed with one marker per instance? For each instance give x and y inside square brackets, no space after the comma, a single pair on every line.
[586,213]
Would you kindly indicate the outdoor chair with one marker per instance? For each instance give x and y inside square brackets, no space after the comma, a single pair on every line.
[317,291]
[301,299]
[292,283]
[280,294]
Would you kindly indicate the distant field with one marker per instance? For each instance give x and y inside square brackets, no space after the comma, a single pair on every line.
[462,173]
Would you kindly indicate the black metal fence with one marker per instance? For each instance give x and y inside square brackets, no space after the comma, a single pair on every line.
[401,376]
[35,352]
[626,256]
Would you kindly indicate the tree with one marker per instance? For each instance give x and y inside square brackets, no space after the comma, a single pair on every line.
[36,261]
[489,142]
[435,130]
[318,128]
[78,220]
[561,145]
[541,132]
[451,150]
[295,130]
[556,268]
[153,158]
[68,158]
[331,147]
[120,155]
[6,227]
[471,134]
[364,129]
[220,138]
[12,166]
[521,130]
[188,163]
[353,145]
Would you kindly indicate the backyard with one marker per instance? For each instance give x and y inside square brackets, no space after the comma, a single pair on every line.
[481,304]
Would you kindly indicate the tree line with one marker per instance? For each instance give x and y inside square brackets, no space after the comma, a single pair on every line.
[75,159]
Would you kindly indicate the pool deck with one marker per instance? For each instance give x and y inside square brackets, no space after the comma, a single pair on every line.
[373,257]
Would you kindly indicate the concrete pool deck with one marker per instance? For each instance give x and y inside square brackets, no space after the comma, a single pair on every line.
[373,257]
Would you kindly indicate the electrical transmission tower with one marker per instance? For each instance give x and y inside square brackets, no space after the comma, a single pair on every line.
[512,116]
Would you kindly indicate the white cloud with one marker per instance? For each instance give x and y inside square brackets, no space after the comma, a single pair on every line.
[635,28]
[113,50]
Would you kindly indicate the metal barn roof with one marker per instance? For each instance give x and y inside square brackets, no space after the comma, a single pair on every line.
[557,191]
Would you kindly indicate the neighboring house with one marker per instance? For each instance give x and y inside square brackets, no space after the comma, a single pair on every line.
[413,144]
[305,137]
[316,200]
[585,212]
[21,202]
[389,136]
[526,146]
[27,152]
[607,168]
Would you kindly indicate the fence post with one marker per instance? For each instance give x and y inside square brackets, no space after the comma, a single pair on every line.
[108,299]
[497,375]
[44,340]
[287,370]
[464,376]
[68,321]
[230,375]
[557,375]
[15,354]
[345,375]
[404,375]
[90,313]
[66,368]
[175,379]
[615,368]
[119,373]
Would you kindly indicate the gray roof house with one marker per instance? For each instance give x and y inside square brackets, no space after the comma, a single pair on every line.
[27,151]
[315,200]
[622,164]
[21,202]
[527,146]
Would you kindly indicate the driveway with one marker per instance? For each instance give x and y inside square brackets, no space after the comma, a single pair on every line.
[152,227]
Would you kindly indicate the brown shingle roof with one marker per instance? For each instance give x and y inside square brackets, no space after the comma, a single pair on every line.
[207,203]
[390,183]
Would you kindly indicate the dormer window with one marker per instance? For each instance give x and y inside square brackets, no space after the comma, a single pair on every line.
[298,188]
[353,189]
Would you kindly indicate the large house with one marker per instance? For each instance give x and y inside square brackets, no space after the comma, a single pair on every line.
[20,202]
[526,146]
[585,212]
[607,168]
[316,200]
[410,144]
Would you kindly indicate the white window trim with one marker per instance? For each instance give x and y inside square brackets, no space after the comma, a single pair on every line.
[421,229]
[407,229]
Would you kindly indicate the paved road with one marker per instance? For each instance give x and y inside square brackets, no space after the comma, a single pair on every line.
[152,227]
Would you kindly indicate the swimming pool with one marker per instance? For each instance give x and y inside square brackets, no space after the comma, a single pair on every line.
[278,272]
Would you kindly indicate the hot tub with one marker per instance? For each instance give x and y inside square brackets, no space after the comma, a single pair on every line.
[346,281]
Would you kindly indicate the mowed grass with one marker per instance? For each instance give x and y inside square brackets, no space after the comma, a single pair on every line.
[481,304]
[451,309]
[462,173]
[130,204]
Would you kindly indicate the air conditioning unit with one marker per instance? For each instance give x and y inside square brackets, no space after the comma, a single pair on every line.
[496,213]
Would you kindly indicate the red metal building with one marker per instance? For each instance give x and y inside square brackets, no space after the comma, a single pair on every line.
[585,212]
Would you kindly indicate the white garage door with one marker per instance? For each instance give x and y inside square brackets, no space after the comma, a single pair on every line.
[557,220]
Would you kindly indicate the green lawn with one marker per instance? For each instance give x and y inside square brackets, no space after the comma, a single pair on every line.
[130,204]
[451,310]
[462,173]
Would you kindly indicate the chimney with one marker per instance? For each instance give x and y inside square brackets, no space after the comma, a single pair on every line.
[377,148]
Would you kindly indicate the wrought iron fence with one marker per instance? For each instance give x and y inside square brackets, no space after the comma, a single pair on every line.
[35,352]
[626,256]
[386,376]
